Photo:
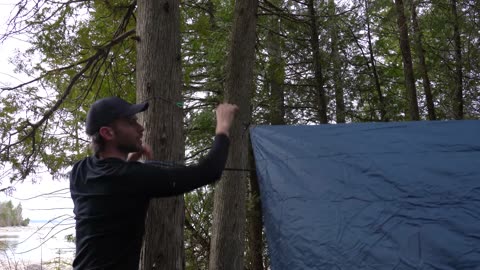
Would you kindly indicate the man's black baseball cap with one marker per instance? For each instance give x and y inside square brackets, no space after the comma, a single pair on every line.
[104,111]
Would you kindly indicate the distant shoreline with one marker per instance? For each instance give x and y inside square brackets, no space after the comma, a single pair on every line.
[31,222]
[41,240]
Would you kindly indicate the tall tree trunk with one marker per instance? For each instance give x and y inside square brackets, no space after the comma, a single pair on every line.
[275,73]
[228,227]
[407,62]
[378,88]
[274,83]
[211,14]
[158,81]
[421,63]
[458,88]
[336,63]
[254,221]
[317,65]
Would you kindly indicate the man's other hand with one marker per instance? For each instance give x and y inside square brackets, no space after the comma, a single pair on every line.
[146,152]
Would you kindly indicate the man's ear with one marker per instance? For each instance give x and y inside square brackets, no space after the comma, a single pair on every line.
[107,133]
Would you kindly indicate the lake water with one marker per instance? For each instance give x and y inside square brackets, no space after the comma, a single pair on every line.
[39,243]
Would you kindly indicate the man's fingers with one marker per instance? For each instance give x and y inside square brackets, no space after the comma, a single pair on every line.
[146,151]
[134,156]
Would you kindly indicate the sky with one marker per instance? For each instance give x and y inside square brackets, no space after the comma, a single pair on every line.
[58,203]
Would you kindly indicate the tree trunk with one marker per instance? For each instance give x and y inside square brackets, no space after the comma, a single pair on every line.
[159,82]
[275,74]
[254,221]
[228,227]
[407,62]
[317,66]
[274,83]
[422,64]
[336,64]
[458,88]
[382,105]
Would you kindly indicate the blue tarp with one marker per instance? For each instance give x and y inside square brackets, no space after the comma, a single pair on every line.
[371,196]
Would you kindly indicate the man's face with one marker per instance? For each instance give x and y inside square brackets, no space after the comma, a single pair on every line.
[128,134]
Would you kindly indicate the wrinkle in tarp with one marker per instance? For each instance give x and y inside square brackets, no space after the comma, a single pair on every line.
[371,196]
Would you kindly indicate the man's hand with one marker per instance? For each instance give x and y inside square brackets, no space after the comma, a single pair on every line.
[146,152]
[225,115]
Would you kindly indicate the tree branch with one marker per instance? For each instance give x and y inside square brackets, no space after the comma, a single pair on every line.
[101,53]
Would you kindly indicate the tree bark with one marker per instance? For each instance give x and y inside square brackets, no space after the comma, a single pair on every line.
[458,88]
[275,74]
[159,81]
[422,64]
[317,66]
[407,62]
[378,88]
[336,63]
[274,83]
[254,221]
[228,227]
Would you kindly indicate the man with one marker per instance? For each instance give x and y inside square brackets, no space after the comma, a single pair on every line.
[111,189]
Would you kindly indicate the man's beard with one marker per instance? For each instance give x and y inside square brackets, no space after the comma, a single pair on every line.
[128,147]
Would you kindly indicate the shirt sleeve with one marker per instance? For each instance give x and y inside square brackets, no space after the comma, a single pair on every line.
[155,181]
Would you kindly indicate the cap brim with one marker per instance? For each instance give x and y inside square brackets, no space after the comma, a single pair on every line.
[136,108]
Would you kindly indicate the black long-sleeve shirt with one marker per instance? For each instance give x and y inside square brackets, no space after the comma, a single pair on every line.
[111,198]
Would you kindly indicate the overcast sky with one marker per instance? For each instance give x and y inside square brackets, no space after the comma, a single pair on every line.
[24,191]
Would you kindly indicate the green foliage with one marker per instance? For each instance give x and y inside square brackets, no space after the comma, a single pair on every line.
[198,216]
[76,66]
[206,29]
[70,238]
[205,33]
[11,216]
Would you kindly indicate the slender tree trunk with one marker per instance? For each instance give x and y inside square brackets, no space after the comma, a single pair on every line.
[274,82]
[158,80]
[211,14]
[228,227]
[254,221]
[378,88]
[317,66]
[458,88]
[275,74]
[336,64]
[407,62]
[422,64]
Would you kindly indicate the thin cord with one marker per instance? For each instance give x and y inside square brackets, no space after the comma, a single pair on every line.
[179,104]
[171,164]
